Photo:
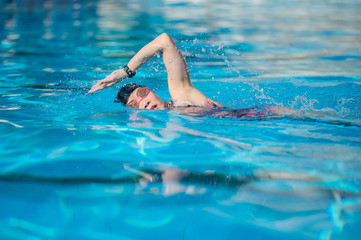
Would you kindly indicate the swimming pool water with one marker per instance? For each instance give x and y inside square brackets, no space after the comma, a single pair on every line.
[78,166]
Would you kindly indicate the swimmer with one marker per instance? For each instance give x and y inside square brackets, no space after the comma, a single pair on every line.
[185,97]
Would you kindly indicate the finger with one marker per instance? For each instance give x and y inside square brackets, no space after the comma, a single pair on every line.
[95,88]
[92,90]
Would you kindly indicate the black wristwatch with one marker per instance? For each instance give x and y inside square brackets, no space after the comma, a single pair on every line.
[129,72]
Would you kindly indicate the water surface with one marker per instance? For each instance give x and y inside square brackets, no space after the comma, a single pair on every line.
[74,165]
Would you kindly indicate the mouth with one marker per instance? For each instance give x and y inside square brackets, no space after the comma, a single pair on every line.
[154,107]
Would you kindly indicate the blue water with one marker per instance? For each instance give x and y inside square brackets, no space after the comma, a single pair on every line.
[78,166]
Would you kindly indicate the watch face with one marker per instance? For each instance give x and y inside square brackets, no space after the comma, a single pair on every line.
[129,72]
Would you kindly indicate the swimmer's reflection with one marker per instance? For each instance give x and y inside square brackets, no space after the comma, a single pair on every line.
[178,181]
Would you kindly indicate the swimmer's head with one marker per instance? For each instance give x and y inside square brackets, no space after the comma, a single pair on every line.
[138,96]
[125,91]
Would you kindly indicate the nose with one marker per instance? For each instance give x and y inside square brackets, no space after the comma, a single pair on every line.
[142,102]
[147,104]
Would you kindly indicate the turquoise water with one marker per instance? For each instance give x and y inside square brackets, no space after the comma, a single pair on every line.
[78,166]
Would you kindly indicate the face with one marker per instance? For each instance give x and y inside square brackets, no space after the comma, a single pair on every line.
[143,98]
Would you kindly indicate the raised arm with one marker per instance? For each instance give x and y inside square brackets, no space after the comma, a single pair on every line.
[158,46]
[179,83]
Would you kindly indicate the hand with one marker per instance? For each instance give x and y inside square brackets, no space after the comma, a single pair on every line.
[102,84]
[109,81]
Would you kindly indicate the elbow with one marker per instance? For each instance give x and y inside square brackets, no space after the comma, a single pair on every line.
[165,36]
[166,39]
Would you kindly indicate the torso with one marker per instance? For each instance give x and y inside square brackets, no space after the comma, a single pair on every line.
[219,111]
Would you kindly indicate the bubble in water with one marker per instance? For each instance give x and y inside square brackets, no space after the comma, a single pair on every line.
[302,103]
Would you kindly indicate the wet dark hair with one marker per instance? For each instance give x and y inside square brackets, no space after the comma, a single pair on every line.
[125,91]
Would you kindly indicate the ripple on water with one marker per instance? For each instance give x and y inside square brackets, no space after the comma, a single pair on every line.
[10,108]
[149,219]
[83,146]
[89,163]
[12,66]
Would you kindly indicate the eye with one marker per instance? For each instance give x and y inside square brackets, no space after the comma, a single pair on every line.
[132,104]
[142,92]
[135,104]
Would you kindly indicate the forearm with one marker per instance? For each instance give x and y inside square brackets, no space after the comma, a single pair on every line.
[146,53]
